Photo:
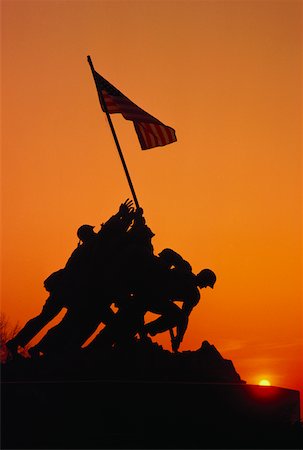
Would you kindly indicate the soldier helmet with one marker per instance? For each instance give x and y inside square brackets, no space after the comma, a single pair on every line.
[84,231]
[206,278]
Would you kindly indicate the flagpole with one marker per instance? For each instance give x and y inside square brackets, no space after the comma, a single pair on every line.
[114,136]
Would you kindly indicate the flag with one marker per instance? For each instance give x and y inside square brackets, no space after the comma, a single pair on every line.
[150,131]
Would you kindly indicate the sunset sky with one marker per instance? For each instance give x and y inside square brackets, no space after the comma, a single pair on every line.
[227,76]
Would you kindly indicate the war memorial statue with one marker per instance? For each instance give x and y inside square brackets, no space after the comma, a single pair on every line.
[122,390]
[115,266]
[115,278]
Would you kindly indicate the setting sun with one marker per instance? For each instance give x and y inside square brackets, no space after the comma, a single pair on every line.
[264,383]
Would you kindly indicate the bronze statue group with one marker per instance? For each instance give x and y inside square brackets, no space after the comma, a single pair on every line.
[115,266]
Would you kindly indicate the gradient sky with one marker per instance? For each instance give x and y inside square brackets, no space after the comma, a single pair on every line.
[227,76]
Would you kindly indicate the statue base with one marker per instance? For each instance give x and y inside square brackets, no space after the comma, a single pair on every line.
[148,415]
[142,397]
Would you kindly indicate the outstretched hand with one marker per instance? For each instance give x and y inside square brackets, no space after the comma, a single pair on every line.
[126,208]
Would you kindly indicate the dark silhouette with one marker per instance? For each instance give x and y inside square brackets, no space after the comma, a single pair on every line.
[141,386]
[68,287]
[148,398]
[103,285]
[182,285]
[158,282]
[103,281]
[117,266]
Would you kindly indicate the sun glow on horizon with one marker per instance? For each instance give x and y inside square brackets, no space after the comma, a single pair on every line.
[264,382]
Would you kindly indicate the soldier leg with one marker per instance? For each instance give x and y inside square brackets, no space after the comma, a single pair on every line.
[171,315]
[87,323]
[75,328]
[123,327]
[50,310]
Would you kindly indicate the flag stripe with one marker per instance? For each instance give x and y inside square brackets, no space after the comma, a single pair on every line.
[128,109]
[150,131]
[151,135]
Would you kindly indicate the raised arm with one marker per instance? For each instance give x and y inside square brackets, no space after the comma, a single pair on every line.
[121,220]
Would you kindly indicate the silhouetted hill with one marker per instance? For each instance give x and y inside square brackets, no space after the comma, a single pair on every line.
[139,361]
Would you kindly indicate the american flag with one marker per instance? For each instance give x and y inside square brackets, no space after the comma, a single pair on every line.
[150,131]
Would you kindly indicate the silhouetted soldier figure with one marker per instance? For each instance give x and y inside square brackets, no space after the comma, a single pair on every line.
[93,279]
[135,261]
[66,285]
[164,280]
[161,281]
[123,275]
[181,286]
[135,258]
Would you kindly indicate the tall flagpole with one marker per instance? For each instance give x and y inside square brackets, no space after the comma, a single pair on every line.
[101,97]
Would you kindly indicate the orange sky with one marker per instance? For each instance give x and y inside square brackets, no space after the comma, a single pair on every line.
[227,76]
